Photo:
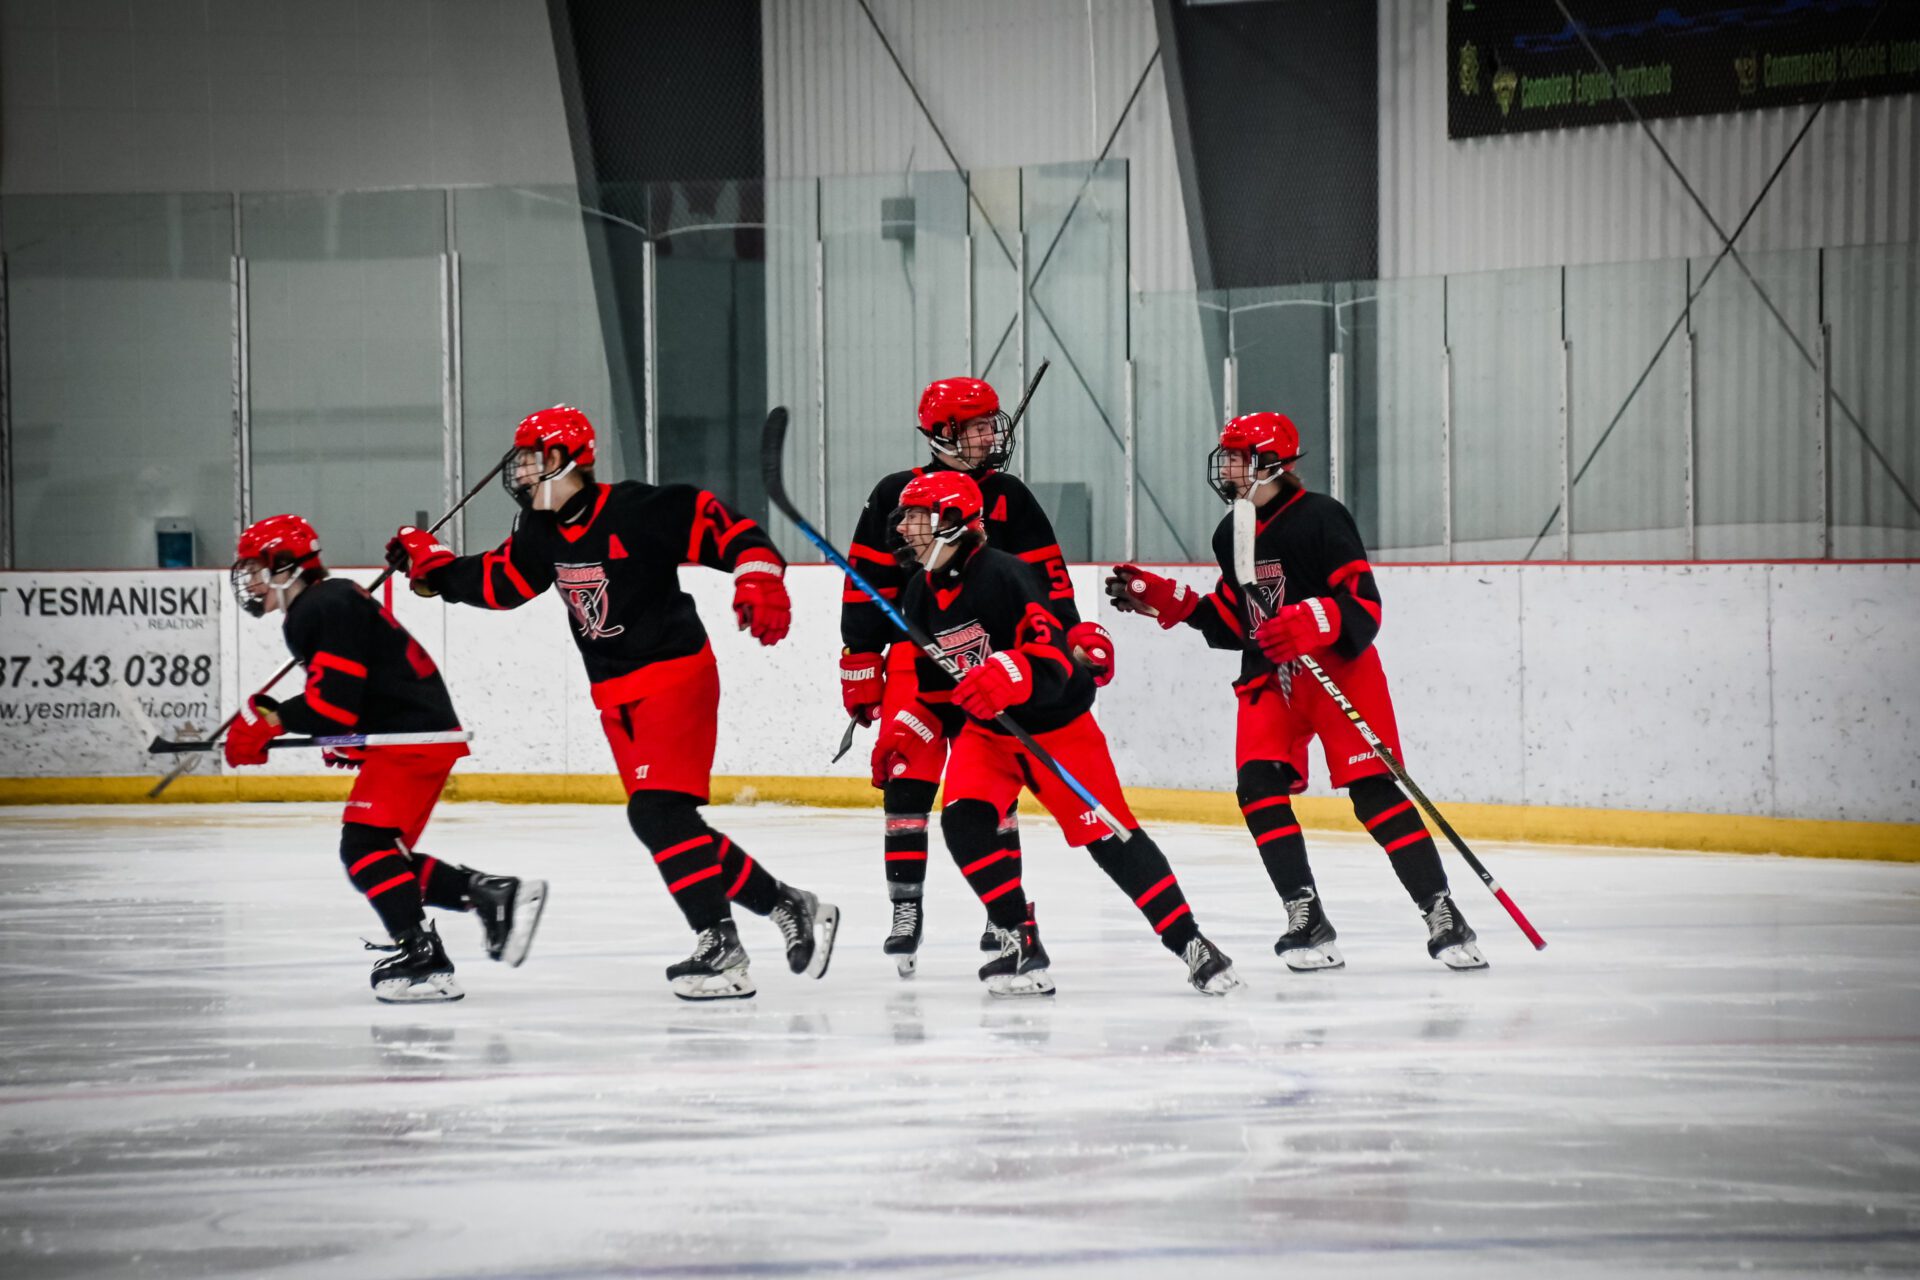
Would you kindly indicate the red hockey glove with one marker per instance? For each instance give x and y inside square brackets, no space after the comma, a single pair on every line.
[1134,590]
[862,685]
[906,731]
[257,726]
[1300,628]
[760,600]
[417,553]
[1003,680]
[343,757]
[1094,648]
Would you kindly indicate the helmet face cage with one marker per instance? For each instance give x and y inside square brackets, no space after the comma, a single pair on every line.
[276,571]
[945,437]
[949,525]
[1255,469]
[510,466]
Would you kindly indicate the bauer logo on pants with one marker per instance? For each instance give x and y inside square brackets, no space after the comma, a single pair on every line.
[585,588]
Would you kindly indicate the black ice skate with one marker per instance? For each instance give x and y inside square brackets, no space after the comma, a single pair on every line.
[903,940]
[418,971]
[1449,936]
[1021,967]
[717,969]
[808,925]
[1209,969]
[1307,945]
[509,912]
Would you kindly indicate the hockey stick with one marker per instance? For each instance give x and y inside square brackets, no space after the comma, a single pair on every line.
[1019,411]
[170,747]
[1244,519]
[281,674]
[773,439]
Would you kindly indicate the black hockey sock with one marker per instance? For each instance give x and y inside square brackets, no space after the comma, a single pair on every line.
[909,806]
[1141,871]
[972,830]
[1266,802]
[442,884]
[1009,834]
[748,883]
[1393,822]
[378,866]
[685,849]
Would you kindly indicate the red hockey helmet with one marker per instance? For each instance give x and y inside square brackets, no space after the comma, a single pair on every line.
[562,427]
[1254,449]
[955,506]
[949,412]
[270,554]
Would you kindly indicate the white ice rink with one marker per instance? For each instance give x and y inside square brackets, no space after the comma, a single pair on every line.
[1715,1067]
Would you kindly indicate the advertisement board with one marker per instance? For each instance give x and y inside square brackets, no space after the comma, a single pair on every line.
[1519,65]
[93,665]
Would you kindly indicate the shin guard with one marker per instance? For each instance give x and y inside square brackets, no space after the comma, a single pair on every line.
[972,831]
[1142,872]
[1265,792]
[1393,822]
[686,851]
[378,866]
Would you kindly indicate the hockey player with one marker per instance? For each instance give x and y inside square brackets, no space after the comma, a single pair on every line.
[1313,594]
[365,674]
[987,612]
[614,552]
[968,433]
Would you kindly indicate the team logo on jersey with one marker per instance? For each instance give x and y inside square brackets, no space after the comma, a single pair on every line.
[585,588]
[1268,589]
[966,644]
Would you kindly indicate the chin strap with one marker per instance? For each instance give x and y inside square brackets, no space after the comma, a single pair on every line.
[546,485]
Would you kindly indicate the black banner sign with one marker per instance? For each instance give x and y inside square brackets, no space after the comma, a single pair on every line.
[1517,65]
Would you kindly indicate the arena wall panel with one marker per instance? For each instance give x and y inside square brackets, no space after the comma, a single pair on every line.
[1777,691]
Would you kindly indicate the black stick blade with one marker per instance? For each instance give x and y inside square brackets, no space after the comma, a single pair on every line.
[773,444]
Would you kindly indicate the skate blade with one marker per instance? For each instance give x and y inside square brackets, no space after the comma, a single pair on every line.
[439,988]
[826,926]
[1035,982]
[906,964]
[732,984]
[1463,956]
[528,903]
[1314,959]
[1220,983]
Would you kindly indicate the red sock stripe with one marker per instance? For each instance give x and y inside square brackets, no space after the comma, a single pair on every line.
[1268,803]
[426,874]
[370,859]
[1277,833]
[1182,910]
[907,855]
[1379,818]
[382,887]
[991,894]
[1154,892]
[682,847]
[704,873]
[746,869]
[987,861]
[1404,841]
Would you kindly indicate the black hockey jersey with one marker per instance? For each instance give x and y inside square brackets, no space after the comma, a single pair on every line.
[365,674]
[615,551]
[1309,547]
[991,603]
[1015,524]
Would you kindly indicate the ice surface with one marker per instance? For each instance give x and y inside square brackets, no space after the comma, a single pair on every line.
[1715,1067]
